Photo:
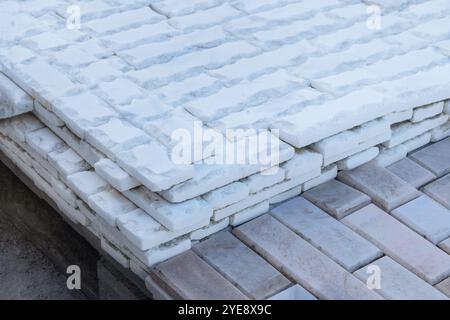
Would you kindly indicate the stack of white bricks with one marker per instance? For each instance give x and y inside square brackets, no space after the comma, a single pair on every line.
[89,113]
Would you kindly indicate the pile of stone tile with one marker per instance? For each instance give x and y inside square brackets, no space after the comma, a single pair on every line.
[89,114]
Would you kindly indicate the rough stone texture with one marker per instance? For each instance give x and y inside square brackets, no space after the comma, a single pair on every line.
[397,283]
[426,217]
[301,261]
[439,190]
[233,259]
[326,234]
[412,173]
[337,198]
[202,282]
[401,243]
[294,292]
[435,158]
[386,190]
[444,287]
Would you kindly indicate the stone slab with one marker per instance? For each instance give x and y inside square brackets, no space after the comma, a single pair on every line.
[188,277]
[444,287]
[439,190]
[426,217]
[400,243]
[241,266]
[325,233]
[435,158]
[412,173]
[386,189]
[337,199]
[397,283]
[294,292]
[301,261]
[445,245]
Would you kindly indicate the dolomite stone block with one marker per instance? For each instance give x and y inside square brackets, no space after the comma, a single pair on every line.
[19,126]
[390,156]
[227,195]
[445,245]
[115,253]
[285,195]
[337,199]
[328,235]
[439,190]
[86,183]
[213,228]
[426,217]
[115,136]
[109,205]
[249,213]
[114,174]
[358,159]
[399,116]
[447,107]
[232,258]
[444,287]
[174,216]
[328,173]
[441,132]
[201,282]
[13,100]
[406,131]
[299,260]
[435,158]
[145,232]
[46,116]
[259,181]
[157,172]
[428,111]
[165,251]
[43,141]
[386,189]
[417,142]
[67,162]
[304,161]
[412,173]
[400,243]
[294,292]
[397,283]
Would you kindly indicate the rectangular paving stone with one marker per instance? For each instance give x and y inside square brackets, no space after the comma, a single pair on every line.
[400,243]
[445,245]
[294,292]
[328,235]
[398,283]
[299,260]
[435,157]
[337,199]
[412,173]
[426,217]
[386,189]
[241,266]
[439,190]
[188,277]
[444,287]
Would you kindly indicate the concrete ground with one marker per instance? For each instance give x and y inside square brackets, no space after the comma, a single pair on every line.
[25,273]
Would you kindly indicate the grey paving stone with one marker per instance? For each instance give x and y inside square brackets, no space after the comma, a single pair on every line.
[435,157]
[241,266]
[328,235]
[398,283]
[337,198]
[426,217]
[312,269]
[445,245]
[411,172]
[400,243]
[294,292]
[444,287]
[386,189]
[439,190]
[188,277]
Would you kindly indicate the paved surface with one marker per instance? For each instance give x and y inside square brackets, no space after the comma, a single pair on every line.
[25,273]
[330,242]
